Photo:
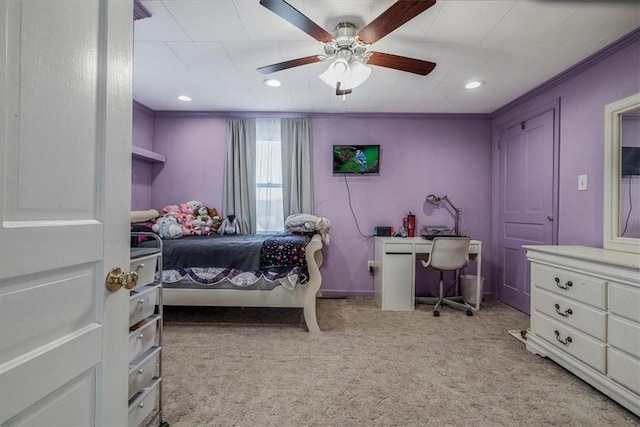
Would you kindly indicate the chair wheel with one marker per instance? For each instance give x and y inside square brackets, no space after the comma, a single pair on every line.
[469,313]
[436,313]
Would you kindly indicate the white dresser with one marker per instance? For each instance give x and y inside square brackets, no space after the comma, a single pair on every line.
[145,335]
[585,316]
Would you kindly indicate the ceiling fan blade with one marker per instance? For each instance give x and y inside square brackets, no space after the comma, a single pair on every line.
[267,69]
[402,63]
[340,92]
[295,17]
[398,14]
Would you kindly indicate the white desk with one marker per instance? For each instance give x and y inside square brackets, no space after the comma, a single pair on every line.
[395,266]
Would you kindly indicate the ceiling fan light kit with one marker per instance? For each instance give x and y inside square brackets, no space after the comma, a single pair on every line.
[346,74]
[347,47]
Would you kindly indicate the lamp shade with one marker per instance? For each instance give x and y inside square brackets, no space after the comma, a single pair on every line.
[349,74]
[433,199]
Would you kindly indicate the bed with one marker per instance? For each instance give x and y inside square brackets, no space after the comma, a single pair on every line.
[281,270]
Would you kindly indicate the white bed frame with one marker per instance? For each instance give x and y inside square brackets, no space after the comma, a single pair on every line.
[303,296]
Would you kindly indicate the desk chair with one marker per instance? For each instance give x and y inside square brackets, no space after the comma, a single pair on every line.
[448,254]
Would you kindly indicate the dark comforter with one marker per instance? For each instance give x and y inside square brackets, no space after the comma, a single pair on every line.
[249,252]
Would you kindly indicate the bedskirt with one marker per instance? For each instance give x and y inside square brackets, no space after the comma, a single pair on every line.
[225,278]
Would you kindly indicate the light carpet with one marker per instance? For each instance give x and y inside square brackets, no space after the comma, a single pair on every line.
[259,367]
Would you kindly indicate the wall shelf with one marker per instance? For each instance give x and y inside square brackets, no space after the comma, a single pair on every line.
[147,155]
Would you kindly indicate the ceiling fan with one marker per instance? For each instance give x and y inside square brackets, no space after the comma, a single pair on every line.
[347,47]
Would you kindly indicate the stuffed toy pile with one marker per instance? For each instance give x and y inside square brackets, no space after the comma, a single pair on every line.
[192,218]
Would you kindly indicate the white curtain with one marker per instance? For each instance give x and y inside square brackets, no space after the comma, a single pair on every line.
[269,184]
[296,166]
[240,177]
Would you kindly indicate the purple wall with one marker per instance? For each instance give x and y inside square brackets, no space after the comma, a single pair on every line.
[141,170]
[419,156]
[195,148]
[582,101]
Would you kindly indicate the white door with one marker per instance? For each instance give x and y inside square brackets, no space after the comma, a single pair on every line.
[65,141]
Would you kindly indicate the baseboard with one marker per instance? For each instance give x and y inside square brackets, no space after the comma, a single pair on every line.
[517,334]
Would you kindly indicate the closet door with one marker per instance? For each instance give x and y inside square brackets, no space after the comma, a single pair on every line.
[526,200]
[65,147]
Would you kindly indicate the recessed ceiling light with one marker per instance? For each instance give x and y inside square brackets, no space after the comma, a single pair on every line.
[474,84]
[184,98]
[272,83]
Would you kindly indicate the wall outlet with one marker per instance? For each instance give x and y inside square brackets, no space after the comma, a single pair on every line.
[370,266]
[582,182]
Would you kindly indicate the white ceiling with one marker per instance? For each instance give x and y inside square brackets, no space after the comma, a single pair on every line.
[210,49]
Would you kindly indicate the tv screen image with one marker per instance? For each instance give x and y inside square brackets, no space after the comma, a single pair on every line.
[630,161]
[356,159]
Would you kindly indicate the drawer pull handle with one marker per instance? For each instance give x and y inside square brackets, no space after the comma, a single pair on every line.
[565,286]
[140,336]
[566,341]
[566,313]
[141,301]
[142,404]
[139,267]
[140,371]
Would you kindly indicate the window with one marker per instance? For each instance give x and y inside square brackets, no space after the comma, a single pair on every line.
[269,197]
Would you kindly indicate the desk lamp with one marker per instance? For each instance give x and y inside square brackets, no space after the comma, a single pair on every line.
[435,199]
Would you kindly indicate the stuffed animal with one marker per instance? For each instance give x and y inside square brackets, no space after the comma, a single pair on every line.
[202,219]
[174,212]
[215,219]
[202,230]
[167,228]
[186,209]
[171,208]
[229,226]
[194,205]
[216,222]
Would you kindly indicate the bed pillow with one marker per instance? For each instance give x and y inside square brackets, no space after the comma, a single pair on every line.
[144,216]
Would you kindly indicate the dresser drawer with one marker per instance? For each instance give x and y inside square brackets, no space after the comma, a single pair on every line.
[624,301]
[143,338]
[146,269]
[569,340]
[587,289]
[143,404]
[142,372]
[579,316]
[624,335]
[142,303]
[624,369]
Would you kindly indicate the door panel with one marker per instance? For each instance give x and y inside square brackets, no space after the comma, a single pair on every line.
[526,202]
[65,118]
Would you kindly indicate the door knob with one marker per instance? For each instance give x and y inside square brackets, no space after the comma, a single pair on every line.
[118,278]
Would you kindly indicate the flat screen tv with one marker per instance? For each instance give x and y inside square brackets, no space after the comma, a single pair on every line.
[630,161]
[356,159]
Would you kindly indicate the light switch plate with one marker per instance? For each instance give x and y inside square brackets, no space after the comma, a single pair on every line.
[582,182]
